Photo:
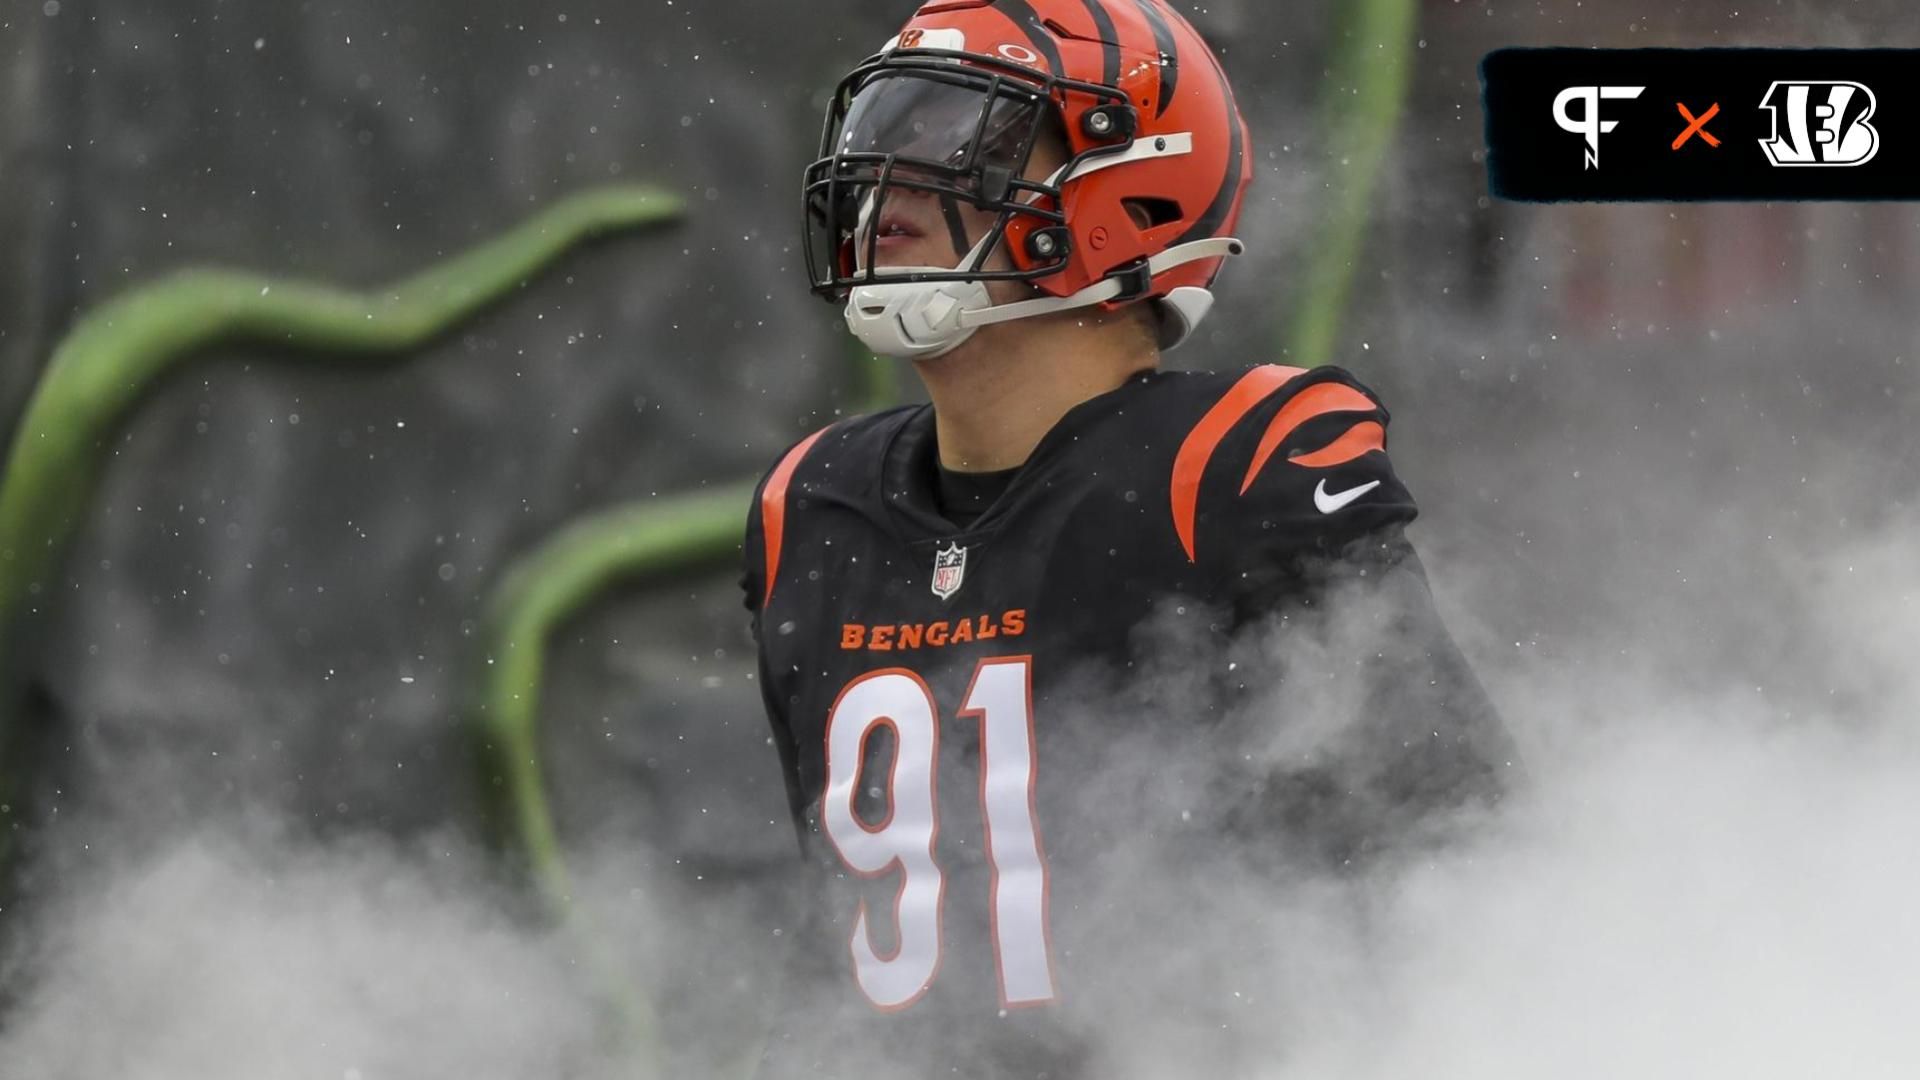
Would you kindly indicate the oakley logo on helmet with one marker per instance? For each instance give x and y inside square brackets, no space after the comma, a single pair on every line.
[1019,54]
[1589,124]
[1826,124]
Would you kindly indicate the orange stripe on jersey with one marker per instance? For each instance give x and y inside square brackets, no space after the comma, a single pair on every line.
[773,507]
[1316,400]
[1362,438]
[1191,463]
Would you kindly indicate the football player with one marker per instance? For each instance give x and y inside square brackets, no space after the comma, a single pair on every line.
[1033,653]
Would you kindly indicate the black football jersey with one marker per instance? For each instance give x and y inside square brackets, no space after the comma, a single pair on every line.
[1021,753]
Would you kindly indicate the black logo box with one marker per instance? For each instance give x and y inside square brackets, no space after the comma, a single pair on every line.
[1531,158]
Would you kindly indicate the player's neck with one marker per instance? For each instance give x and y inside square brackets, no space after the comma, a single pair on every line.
[995,397]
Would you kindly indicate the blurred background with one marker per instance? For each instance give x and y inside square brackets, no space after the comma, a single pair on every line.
[1631,426]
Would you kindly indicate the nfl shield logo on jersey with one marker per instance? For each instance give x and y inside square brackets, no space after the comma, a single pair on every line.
[949,570]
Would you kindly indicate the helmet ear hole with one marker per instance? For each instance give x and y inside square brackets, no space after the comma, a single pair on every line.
[1150,213]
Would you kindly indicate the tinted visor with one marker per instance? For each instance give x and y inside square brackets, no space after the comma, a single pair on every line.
[960,125]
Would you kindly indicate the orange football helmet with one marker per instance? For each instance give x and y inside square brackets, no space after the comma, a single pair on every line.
[1158,163]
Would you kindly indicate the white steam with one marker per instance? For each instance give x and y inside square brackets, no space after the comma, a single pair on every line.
[220,957]
[1706,877]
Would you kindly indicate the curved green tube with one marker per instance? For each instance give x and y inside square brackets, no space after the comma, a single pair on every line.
[1375,62]
[540,593]
[118,351]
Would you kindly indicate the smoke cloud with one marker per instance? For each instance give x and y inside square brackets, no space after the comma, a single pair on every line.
[1681,559]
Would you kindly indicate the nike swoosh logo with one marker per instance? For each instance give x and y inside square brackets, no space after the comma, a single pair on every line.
[1329,503]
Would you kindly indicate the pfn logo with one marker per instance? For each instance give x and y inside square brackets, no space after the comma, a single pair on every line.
[1589,123]
[1826,124]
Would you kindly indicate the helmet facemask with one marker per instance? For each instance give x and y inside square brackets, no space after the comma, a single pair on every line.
[914,124]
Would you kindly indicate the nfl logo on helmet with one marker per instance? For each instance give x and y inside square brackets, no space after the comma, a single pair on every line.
[949,570]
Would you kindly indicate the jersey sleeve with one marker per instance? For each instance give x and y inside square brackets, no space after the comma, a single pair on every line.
[1409,738]
[1303,473]
[1307,520]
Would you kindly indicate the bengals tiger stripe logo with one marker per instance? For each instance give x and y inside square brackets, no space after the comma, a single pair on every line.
[1256,386]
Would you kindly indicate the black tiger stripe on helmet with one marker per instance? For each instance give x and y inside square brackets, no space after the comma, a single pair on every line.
[1169,49]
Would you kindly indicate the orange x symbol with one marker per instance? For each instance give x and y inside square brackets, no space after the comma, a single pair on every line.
[1697,125]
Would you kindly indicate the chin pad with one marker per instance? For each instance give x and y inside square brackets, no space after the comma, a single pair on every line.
[1180,313]
[914,320]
